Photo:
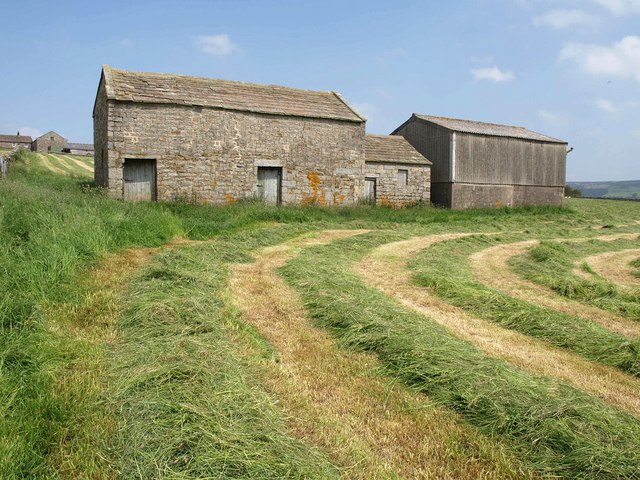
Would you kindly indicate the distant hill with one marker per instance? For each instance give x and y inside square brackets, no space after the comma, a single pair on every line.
[625,189]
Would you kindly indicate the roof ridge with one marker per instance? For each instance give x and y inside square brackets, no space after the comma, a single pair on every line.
[203,78]
[470,121]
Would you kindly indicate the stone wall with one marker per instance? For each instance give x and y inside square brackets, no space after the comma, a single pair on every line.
[210,155]
[389,191]
[49,142]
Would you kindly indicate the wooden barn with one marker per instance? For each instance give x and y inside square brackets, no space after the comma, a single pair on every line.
[477,164]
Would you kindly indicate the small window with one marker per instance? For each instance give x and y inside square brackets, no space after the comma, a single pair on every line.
[51,138]
[403,177]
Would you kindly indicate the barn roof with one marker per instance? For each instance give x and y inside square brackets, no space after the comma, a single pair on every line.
[80,146]
[15,138]
[175,89]
[483,128]
[391,149]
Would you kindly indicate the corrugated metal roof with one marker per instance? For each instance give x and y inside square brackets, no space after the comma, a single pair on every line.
[483,128]
[146,87]
[15,138]
[80,146]
[391,149]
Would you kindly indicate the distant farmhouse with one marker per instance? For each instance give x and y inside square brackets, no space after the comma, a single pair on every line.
[49,142]
[15,141]
[478,164]
[164,137]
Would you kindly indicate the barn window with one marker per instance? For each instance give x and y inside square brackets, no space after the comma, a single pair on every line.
[51,138]
[403,177]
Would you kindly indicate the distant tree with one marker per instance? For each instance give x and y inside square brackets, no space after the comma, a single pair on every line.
[572,192]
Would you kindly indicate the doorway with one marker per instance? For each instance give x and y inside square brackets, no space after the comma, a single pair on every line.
[270,185]
[370,190]
[139,179]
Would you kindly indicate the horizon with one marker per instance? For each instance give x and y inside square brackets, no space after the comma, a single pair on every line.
[568,69]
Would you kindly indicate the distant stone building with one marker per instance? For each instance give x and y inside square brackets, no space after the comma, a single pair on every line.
[477,164]
[165,137]
[79,149]
[49,142]
[395,172]
[15,141]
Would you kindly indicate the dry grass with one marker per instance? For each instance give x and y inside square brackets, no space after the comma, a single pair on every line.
[616,267]
[337,399]
[490,266]
[69,159]
[385,268]
[49,166]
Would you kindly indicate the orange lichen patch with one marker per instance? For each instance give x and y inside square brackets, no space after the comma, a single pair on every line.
[490,266]
[338,198]
[317,195]
[338,400]
[229,199]
[386,268]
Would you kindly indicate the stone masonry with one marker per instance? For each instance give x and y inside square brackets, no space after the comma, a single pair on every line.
[50,141]
[211,155]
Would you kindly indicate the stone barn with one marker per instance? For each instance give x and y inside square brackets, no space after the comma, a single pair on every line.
[396,174]
[477,164]
[49,142]
[164,137]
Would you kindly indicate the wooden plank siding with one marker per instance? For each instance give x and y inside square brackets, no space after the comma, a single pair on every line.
[433,142]
[482,159]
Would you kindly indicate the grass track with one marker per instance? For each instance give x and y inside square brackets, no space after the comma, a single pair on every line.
[445,269]
[491,267]
[552,264]
[386,269]
[339,400]
[558,429]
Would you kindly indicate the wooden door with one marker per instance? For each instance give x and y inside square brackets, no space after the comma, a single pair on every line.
[370,190]
[139,179]
[269,184]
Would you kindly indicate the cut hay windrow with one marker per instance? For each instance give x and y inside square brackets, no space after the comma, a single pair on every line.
[558,429]
[445,268]
[552,264]
[491,266]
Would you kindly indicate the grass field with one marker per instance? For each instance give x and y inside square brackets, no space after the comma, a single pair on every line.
[186,341]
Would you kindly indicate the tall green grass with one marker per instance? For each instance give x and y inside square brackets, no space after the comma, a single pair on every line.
[558,430]
[551,264]
[186,401]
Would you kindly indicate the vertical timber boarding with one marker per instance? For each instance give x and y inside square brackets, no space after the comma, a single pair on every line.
[139,179]
[270,185]
[370,190]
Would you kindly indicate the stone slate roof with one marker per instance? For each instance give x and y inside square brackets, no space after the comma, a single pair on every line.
[15,138]
[391,149]
[146,87]
[482,128]
[80,146]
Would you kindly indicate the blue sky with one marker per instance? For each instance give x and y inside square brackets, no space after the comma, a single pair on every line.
[566,68]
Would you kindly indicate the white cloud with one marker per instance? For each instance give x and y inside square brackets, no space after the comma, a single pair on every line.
[30,132]
[636,133]
[608,105]
[565,19]
[493,74]
[620,7]
[622,59]
[553,117]
[219,45]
